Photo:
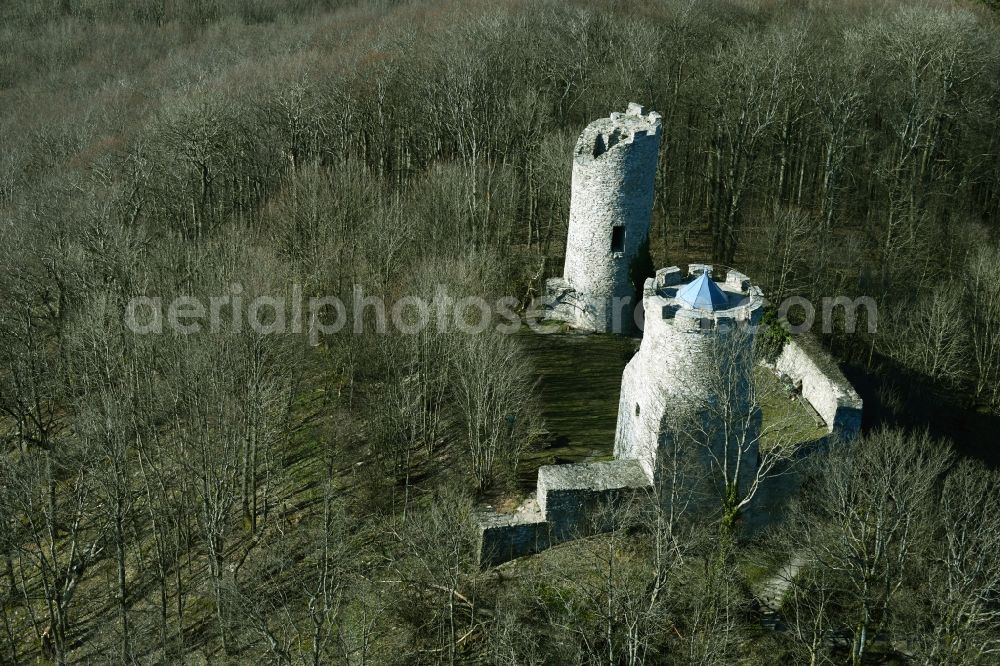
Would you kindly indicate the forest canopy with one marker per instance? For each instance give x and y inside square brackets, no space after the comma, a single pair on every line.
[233,496]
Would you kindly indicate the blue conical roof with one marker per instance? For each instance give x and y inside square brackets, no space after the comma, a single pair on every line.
[702,293]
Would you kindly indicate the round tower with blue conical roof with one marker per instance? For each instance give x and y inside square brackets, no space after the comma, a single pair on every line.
[689,385]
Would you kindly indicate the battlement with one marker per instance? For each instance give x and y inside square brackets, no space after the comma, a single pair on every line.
[668,277]
[737,299]
[604,134]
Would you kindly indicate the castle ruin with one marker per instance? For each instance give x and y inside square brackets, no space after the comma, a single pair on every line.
[688,388]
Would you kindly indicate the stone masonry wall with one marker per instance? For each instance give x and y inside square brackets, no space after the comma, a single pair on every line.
[823,385]
[572,501]
[580,500]
[505,537]
[663,374]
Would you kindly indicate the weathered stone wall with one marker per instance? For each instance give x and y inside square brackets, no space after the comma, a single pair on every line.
[614,169]
[664,374]
[561,302]
[580,500]
[505,537]
[823,385]
[573,501]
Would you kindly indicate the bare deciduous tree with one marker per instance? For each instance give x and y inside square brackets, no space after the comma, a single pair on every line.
[870,514]
[493,393]
[963,573]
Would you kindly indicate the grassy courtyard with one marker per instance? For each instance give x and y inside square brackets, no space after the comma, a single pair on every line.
[579,383]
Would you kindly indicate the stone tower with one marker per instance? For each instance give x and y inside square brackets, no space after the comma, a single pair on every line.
[614,168]
[693,368]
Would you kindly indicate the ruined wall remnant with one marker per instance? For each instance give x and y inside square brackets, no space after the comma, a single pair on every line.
[583,499]
[508,536]
[572,501]
[823,385]
[614,168]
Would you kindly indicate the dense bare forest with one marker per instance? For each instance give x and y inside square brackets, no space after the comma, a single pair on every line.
[233,497]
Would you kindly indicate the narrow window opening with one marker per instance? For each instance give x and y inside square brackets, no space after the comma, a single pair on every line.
[599,147]
[637,409]
[618,238]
